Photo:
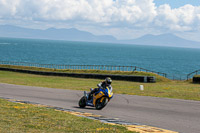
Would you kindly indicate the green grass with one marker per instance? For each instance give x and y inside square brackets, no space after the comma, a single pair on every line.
[167,88]
[19,118]
[137,73]
[197,76]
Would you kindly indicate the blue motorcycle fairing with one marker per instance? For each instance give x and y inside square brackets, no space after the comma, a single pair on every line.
[105,91]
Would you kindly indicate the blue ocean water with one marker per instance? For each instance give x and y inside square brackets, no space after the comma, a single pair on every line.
[176,62]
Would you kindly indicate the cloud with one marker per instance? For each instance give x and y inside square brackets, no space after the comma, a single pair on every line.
[8,8]
[131,14]
[103,11]
[185,18]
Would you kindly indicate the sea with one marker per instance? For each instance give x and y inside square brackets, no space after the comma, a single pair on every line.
[175,62]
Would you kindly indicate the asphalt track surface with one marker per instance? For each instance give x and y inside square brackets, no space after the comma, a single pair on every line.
[173,114]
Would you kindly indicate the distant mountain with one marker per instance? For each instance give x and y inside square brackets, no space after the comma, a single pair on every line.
[163,40]
[52,33]
[77,35]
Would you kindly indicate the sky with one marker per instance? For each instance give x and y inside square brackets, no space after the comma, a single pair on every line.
[123,19]
[177,3]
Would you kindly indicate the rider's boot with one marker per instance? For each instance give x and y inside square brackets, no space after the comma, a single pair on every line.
[90,94]
[85,94]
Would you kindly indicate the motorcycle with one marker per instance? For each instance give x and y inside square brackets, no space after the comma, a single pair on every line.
[98,100]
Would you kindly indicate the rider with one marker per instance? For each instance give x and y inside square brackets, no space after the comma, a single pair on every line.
[102,85]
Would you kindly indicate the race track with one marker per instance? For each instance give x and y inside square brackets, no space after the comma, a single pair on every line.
[172,114]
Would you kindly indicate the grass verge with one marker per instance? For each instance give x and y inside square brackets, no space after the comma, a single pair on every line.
[197,76]
[19,118]
[170,89]
[137,73]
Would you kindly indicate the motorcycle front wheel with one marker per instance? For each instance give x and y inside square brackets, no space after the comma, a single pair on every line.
[100,105]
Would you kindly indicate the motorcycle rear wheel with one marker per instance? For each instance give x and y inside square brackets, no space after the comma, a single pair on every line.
[82,102]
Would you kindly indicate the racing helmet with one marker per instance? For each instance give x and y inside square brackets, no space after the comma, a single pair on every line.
[108,81]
